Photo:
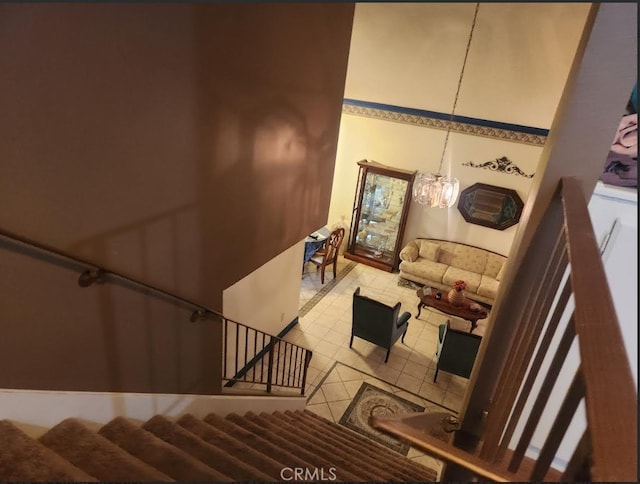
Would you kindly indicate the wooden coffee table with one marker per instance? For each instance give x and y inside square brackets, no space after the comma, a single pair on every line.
[443,305]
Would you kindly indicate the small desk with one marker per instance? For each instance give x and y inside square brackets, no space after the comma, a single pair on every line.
[314,242]
[443,305]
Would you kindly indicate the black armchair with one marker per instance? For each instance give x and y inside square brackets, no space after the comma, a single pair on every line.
[456,351]
[377,323]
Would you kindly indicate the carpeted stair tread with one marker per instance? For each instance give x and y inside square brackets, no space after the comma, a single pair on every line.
[266,446]
[422,473]
[418,470]
[414,468]
[253,447]
[380,467]
[25,459]
[329,430]
[97,455]
[332,431]
[327,448]
[293,444]
[212,456]
[165,457]
[233,446]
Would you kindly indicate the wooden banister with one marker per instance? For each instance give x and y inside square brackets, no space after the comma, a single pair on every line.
[608,449]
[611,398]
[408,428]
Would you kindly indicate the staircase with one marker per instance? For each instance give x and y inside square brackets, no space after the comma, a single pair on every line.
[289,446]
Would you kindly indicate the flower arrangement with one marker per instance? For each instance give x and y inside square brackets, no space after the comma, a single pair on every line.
[459,285]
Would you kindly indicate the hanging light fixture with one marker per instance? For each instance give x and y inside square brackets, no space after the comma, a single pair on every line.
[436,190]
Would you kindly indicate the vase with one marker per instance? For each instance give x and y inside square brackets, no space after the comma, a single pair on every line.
[456,297]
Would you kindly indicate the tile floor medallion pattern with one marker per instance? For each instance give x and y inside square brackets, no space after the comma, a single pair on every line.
[339,389]
[373,401]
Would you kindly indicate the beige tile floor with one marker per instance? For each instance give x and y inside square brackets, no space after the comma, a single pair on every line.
[325,329]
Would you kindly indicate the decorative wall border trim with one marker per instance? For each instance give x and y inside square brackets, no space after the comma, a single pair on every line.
[435,120]
[503,165]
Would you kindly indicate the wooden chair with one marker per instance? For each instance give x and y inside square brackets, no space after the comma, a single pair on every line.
[329,254]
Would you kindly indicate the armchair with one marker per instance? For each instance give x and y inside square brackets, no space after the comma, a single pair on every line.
[377,323]
[456,351]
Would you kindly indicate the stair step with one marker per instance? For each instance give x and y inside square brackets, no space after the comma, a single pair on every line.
[212,456]
[266,446]
[422,473]
[158,453]
[333,442]
[253,447]
[25,459]
[97,455]
[400,466]
[218,438]
[323,448]
[297,446]
[335,432]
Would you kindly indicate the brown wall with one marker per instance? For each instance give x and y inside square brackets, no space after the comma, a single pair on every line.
[181,144]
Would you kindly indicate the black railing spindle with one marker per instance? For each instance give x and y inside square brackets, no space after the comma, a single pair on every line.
[270,369]
[246,346]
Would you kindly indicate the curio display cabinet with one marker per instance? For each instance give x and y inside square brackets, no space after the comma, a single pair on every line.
[380,211]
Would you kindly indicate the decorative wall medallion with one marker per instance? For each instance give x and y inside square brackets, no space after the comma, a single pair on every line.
[503,165]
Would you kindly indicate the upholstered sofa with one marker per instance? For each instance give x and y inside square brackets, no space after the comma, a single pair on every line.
[439,263]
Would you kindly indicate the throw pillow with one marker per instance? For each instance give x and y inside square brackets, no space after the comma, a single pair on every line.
[429,250]
[409,254]
[500,273]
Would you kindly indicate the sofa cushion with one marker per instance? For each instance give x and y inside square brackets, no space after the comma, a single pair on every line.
[453,274]
[469,258]
[425,269]
[409,253]
[446,252]
[494,264]
[488,287]
[429,250]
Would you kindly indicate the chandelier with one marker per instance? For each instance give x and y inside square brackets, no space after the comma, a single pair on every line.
[436,190]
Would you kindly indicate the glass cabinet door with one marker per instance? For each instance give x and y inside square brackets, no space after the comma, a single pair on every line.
[380,212]
[380,217]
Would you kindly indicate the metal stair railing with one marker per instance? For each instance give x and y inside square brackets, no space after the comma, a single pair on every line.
[244,348]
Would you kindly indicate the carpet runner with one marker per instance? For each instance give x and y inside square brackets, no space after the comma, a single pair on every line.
[290,446]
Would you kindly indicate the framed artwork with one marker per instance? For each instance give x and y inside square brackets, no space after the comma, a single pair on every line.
[621,167]
[494,207]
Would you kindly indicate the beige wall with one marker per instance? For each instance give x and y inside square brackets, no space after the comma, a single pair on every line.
[410,55]
[182,144]
[276,285]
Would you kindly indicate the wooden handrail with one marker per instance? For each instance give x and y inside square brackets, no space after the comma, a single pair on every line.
[408,428]
[96,274]
[608,450]
[611,398]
